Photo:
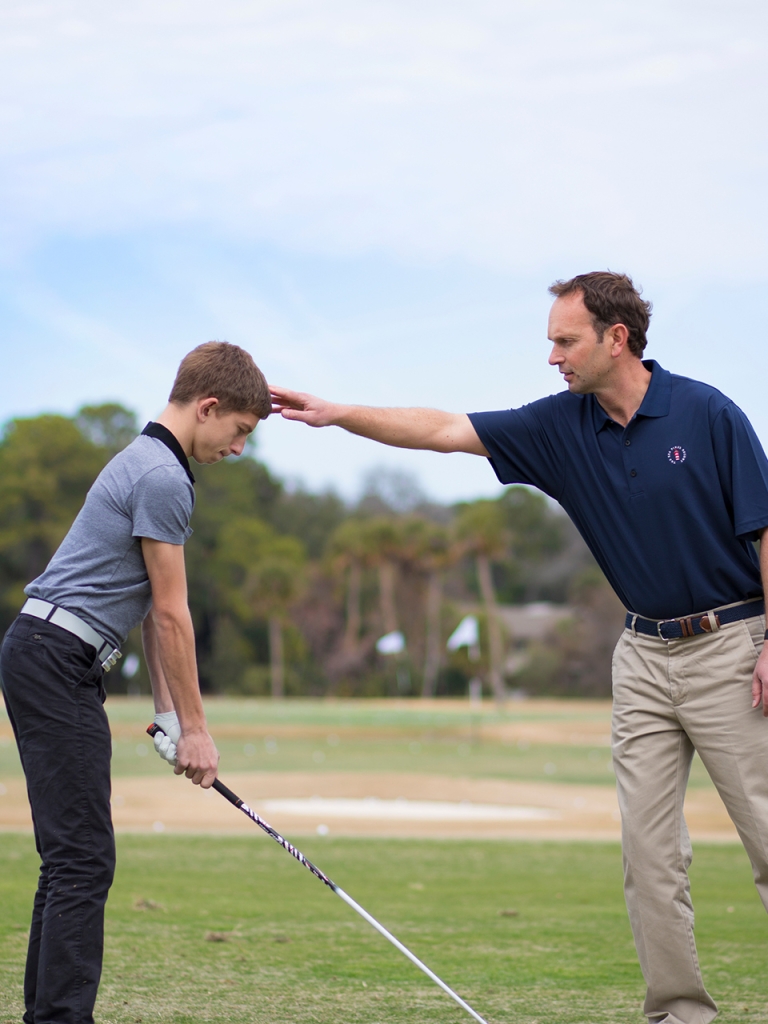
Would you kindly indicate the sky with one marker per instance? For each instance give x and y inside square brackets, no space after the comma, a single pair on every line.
[372,198]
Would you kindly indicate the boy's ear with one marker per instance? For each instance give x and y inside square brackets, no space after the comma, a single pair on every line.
[204,408]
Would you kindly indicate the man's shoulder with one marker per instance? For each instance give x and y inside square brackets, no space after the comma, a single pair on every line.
[542,414]
[563,406]
[561,402]
[691,398]
[689,389]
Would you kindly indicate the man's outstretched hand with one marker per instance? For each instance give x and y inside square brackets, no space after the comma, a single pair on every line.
[297,405]
[427,429]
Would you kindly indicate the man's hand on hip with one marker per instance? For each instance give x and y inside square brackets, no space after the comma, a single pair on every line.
[760,682]
[197,758]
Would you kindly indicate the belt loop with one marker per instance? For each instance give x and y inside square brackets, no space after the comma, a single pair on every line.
[633,627]
[714,625]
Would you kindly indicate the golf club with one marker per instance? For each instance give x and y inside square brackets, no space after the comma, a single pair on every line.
[241,805]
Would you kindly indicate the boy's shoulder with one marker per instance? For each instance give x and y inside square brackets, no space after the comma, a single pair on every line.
[143,455]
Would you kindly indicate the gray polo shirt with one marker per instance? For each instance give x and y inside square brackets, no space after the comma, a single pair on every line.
[98,571]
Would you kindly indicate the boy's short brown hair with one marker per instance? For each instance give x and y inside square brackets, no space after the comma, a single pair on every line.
[217,369]
[611,299]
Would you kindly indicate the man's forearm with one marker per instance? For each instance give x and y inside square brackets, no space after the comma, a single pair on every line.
[428,429]
[764,561]
[760,677]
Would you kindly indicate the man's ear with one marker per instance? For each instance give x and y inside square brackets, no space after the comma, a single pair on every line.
[617,336]
[204,408]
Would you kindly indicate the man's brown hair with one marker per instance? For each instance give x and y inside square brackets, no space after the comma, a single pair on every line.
[217,369]
[611,299]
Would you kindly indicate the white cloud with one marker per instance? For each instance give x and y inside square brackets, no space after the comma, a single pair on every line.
[499,133]
[373,197]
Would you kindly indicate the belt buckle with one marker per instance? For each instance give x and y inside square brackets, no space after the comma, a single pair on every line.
[659,624]
[111,660]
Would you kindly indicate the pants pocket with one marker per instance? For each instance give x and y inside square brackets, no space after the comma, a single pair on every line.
[755,630]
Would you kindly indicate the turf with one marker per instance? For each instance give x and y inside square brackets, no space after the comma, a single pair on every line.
[233,930]
[354,736]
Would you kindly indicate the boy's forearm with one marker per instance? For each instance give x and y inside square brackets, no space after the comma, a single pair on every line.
[174,668]
[160,692]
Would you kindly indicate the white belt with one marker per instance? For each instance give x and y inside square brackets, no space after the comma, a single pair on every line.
[48,612]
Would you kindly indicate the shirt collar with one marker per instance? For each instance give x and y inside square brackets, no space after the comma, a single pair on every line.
[655,403]
[163,434]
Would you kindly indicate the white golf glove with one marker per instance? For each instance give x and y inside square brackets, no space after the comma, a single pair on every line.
[165,745]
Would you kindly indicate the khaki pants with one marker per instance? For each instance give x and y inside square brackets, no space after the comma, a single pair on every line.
[671,697]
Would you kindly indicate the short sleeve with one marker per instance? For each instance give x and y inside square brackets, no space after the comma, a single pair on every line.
[162,503]
[523,445]
[743,470]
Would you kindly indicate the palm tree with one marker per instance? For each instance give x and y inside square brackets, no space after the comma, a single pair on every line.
[431,549]
[380,538]
[482,529]
[384,551]
[347,550]
[268,577]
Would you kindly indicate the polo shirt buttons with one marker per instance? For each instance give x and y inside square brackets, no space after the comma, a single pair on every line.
[627,442]
[633,472]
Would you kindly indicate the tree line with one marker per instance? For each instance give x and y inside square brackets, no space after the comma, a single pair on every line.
[291,590]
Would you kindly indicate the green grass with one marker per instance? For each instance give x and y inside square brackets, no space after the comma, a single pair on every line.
[355,736]
[292,951]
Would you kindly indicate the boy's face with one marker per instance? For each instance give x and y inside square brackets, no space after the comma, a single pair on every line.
[220,434]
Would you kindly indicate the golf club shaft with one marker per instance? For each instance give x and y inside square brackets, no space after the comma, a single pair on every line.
[234,799]
[220,788]
[404,949]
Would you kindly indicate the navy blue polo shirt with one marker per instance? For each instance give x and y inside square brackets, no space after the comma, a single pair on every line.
[668,505]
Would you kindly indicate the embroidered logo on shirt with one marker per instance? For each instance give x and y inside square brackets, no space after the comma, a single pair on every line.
[677,454]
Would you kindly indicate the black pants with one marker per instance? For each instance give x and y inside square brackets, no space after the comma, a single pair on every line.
[53,690]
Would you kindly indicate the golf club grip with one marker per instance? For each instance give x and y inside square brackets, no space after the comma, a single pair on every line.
[225,791]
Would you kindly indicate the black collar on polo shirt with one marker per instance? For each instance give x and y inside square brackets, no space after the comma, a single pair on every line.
[170,441]
[655,403]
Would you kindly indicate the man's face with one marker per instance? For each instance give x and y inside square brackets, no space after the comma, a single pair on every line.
[222,434]
[584,360]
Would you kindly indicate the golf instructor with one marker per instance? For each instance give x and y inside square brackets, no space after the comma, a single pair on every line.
[121,563]
[668,484]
